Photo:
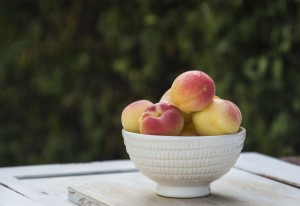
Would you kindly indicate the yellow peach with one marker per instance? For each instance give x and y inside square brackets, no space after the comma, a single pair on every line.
[132,113]
[189,130]
[220,117]
[167,99]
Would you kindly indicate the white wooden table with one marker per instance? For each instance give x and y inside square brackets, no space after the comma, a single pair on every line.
[256,179]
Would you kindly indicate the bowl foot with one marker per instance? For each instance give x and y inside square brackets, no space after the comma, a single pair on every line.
[183,192]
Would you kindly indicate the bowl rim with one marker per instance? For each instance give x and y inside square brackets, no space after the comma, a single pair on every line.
[241,132]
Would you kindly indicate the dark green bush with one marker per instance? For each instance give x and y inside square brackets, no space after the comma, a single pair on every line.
[68,68]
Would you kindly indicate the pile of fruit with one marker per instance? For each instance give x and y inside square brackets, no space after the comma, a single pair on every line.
[188,108]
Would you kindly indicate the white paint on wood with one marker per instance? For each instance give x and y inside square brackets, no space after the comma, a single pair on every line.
[53,194]
[235,188]
[269,167]
[60,170]
[9,198]
[29,191]
[57,188]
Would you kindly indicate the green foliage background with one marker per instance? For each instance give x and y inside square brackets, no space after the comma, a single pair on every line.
[68,68]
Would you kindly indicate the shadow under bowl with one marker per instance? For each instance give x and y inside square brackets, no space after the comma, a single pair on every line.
[184,166]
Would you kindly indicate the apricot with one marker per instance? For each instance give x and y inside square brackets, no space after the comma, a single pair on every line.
[167,99]
[161,119]
[220,117]
[192,91]
[189,130]
[132,113]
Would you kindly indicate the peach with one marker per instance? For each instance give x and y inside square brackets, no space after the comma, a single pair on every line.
[161,119]
[192,91]
[132,113]
[187,133]
[187,118]
[189,130]
[167,99]
[220,117]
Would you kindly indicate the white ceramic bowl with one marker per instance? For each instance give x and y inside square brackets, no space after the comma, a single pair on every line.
[184,166]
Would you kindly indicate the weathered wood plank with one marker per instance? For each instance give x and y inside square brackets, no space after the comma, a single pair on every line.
[57,188]
[35,182]
[235,188]
[41,196]
[51,194]
[270,168]
[9,197]
[19,178]
[61,170]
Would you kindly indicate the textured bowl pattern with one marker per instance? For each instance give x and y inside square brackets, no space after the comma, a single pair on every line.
[184,160]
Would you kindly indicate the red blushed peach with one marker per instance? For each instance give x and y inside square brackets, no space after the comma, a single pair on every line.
[220,117]
[192,91]
[161,119]
[167,99]
[132,113]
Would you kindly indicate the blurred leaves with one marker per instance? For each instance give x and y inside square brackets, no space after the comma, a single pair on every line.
[68,68]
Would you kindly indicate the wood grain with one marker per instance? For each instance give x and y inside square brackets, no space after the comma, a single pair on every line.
[62,170]
[269,167]
[21,180]
[47,185]
[235,188]
[9,197]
